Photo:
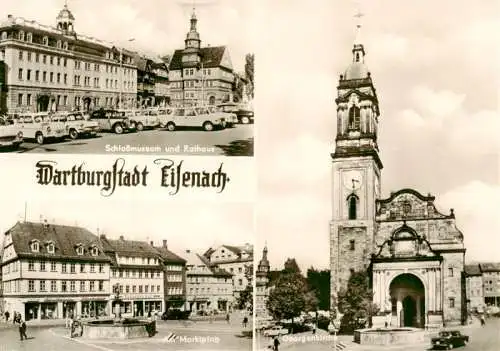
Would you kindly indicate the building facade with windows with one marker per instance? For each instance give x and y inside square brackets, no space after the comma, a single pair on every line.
[474,287]
[136,276]
[413,253]
[208,288]
[162,84]
[174,282]
[52,271]
[237,260]
[491,283]
[53,68]
[200,75]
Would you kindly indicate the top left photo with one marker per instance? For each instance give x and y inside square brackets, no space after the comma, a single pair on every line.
[127,77]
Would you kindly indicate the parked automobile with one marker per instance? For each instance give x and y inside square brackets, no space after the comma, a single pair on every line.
[77,125]
[175,314]
[112,120]
[275,331]
[40,127]
[196,117]
[143,119]
[244,115]
[449,340]
[10,135]
[230,117]
[164,116]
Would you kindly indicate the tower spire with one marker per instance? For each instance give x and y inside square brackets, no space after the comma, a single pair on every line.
[358,16]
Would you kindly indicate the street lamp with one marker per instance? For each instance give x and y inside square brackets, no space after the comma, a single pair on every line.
[203,82]
[121,73]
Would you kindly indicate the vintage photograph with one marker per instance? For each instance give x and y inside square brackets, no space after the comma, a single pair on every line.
[126,77]
[114,275]
[377,215]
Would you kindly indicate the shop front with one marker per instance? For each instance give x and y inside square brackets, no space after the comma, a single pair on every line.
[93,309]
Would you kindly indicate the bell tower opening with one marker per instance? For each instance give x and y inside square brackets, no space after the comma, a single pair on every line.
[65,20]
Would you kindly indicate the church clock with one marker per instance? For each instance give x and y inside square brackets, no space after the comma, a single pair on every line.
[353,179]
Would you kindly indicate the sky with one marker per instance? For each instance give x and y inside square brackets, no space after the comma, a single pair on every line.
[435,67]
[157,27]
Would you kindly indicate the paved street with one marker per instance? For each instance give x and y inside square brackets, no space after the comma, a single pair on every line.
[485,338]
[235,141]
[217,335]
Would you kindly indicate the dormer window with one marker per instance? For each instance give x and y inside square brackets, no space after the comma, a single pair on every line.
[21,35]
[29,37]
[45,40]
[94,251]
[4,35]
[59,44]
[79,249]
[51,248]
[65,45]
[35,246]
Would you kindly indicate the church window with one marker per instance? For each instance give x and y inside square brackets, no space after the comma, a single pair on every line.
[352,245]
[451,302]
[352,202]
[354,118]
[450,272]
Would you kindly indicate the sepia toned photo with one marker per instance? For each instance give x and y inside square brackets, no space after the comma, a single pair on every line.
[153,277]
[122,77]
[377,210]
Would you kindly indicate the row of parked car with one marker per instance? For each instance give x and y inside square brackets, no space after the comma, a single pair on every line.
[60,125]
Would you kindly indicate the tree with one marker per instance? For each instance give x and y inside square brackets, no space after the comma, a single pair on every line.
[319,283]
[287,298]
[249,74]
[356,303]
[238,88]
[245,300]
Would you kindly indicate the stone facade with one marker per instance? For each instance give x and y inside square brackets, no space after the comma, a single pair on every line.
[414,253]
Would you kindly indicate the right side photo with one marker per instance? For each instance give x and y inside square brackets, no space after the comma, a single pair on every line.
[378,177]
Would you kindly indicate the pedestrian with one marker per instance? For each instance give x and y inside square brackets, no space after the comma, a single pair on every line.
[227,318]
[314,328]
[276,343]
[71,326]
[14,317]
[22,330]
[7,315]
[483,322]
[245,321]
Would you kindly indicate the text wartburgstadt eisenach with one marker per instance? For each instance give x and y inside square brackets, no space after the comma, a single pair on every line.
[172,175]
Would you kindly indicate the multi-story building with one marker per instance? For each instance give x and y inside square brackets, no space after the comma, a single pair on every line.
[491,283]
[162,84]
[207,288]
[237,260]
[54,68]
[200,75]
[137,272]
[174,282]
[262,287]
[50,271]
[474,287]
[145,81]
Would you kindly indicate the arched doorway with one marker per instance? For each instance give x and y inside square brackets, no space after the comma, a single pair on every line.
[211,100]
[42,103]
[408,300]
[86,103]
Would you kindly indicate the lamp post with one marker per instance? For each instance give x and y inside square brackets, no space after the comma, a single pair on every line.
[121,73]
[203,82]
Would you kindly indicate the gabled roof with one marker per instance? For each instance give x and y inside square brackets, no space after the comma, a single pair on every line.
[65,239]
[168,256]
[131,248]
[490,267]
[211,57]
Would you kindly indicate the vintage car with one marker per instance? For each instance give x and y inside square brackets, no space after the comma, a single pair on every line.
[165,115]
[230,117]
[40,127]
[244,115]
[143,118]
[196,117]
[276,330]
[449,340]
[76,124]
[10,135]
[112,120]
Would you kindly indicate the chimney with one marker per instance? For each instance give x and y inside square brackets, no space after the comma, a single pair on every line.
[165,244]
[103,236]
[45,224]
[188,251]
[151,243]
[122,238]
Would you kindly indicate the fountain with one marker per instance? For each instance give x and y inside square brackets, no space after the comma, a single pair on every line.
[118,328]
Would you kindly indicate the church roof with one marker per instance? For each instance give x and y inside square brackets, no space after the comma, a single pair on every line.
[211,57]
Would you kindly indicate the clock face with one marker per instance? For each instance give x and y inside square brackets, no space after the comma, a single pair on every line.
[353,179]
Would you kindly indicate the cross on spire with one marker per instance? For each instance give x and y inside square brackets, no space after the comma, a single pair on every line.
[358,16]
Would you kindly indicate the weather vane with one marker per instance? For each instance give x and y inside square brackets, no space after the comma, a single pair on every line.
[358,17]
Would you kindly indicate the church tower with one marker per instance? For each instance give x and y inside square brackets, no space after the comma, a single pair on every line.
[65,21]
[356,172]
[191,54]
[261,285]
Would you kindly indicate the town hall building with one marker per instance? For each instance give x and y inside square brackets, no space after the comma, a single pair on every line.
[413,252]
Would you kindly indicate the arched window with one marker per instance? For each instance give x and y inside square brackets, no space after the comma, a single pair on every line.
[352,202]
[357,57]
[29,37]
[354,118]
[21,35]
[45,40]
[4,35]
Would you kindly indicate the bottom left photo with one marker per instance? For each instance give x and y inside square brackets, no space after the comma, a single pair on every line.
[113,276]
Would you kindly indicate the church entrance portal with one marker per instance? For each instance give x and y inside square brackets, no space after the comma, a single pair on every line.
[408,299]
